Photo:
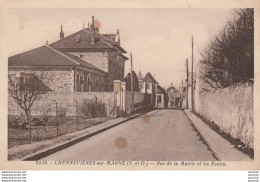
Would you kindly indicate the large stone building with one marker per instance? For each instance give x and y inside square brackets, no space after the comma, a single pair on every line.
[81,65]
[85,61]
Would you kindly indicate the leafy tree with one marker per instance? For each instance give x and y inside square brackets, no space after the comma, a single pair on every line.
[229,58]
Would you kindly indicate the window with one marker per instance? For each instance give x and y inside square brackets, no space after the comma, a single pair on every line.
[159,98]
[81,56]
[77,82]
[148,86]
[85,81]
[81,82]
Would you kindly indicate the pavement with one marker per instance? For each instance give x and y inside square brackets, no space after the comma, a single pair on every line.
[38,150]
[222,148]
[159,135]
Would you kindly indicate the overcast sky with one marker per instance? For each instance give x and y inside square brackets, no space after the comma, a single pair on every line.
[159,39]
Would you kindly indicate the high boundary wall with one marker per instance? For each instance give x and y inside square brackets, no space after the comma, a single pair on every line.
[232,109]
[140,100]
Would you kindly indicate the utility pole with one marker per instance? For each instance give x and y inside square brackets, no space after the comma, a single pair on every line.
[192,101]
[187,86]
[181,93]
[132,85]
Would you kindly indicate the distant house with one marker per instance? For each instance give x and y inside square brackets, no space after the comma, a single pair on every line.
[173,96]
[161,98]
[149,85]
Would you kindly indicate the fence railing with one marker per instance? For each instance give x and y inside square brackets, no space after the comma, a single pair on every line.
[46,125]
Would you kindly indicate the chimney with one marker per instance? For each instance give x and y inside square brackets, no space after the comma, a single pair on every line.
[61,33]
[93,20]
[117,37]
[92,31]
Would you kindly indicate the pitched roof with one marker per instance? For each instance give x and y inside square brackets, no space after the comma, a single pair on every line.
[160,90]
[82,40]
[140,76]
[172,88]
[149,78]
[111,36]
[48,56]
[124,57]
[41,56]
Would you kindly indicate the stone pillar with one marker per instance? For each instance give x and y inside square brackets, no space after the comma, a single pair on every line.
[117,89]
[123,96]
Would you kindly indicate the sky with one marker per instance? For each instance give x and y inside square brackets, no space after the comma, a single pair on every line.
[159,39]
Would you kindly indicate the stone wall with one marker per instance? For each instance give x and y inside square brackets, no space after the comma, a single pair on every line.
[58,80]
[109,62]
[140,100]
[105,97]
[98,59]
[232,109]
[65,100]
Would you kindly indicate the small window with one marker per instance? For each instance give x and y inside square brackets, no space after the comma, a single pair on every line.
[159,98]
[81,55]
[148,86]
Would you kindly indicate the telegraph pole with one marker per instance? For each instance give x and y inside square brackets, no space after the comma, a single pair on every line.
[192,101]
[187,86]
[132,85]
[181,93]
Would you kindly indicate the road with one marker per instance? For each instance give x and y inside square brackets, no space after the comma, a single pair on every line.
[160,135]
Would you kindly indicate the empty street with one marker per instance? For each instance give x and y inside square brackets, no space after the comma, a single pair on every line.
[160,135]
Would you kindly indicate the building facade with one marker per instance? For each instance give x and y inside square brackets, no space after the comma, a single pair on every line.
[161,100]
[100,50]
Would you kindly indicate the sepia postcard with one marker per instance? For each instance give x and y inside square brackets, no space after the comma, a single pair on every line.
[129,85]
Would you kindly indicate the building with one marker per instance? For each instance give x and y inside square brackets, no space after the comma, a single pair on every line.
[77,67]
[85,61]
[161,98]
[173,96]
[149,85]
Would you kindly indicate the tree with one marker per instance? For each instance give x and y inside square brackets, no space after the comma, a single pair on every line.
[229,58]
[135,82]
[25,89]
